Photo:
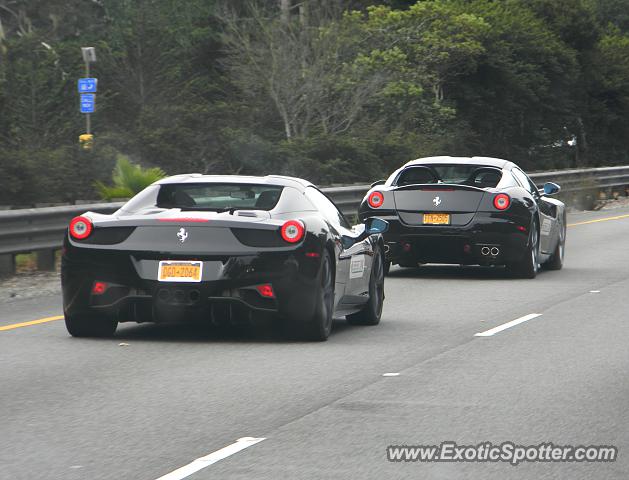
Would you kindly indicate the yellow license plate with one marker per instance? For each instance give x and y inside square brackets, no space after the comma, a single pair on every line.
[437,218]
[179,271]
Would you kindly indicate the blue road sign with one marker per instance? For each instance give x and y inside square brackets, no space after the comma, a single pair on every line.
[88,101]
[87,85]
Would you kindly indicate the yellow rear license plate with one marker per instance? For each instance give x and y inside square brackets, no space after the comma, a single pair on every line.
[437,218]
[179,271]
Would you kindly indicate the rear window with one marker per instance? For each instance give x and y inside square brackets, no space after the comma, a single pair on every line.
[218,196]
[472,175]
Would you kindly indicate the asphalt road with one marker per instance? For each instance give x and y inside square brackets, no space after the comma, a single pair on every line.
[154,399]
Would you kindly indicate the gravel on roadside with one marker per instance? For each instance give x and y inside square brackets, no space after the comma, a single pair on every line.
[29,285]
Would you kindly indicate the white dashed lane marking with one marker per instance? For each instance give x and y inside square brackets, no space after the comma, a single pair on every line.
[504,326]
[210,459]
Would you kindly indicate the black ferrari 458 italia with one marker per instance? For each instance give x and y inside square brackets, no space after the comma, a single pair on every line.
[470,211]
[221,249]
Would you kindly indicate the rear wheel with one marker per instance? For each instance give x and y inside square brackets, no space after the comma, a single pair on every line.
[556,260]
[529,265]
[408,264]
[320,326]
[90,326]
[371,313]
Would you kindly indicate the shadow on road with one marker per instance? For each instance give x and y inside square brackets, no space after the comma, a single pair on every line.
[201,333]
[453,272]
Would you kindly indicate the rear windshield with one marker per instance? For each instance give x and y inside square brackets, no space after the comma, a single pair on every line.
[472,175]
[218,196]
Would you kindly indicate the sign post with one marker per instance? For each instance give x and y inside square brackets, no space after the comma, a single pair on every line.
[87,89]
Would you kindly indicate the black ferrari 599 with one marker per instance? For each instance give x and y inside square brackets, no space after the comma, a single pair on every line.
[222,249]
[471,211]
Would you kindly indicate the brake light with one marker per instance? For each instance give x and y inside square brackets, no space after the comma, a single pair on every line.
[81,227]
[376,199]
[292,231]
[266,290]
[99,288]
[502,201]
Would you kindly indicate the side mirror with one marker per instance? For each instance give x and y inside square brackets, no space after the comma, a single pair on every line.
[374,225]
[551,188]
[379,182]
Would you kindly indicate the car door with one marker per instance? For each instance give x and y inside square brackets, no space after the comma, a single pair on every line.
[546,212]
[353,262]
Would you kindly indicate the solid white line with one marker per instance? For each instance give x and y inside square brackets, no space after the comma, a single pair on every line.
[504,326]
[391,374]
[218,455]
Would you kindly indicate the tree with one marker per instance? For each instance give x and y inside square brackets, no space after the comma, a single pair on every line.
[303,70]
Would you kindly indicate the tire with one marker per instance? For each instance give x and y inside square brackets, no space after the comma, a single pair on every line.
[529,265]
[319,327]
[409,265]
[556,260]
[90,326]
[387,267]
[371,313]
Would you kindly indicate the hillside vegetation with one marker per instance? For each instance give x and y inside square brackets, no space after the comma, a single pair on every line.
[335,91]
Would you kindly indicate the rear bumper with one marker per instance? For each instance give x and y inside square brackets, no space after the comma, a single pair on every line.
[486,240]
[231,296]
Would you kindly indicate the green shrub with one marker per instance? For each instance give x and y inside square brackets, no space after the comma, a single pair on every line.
[129,179]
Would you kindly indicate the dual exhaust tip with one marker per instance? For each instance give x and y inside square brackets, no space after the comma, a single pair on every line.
[493,251]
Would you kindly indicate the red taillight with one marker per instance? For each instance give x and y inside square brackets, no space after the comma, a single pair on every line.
[376,199]
[292,231]
[502,201]
[99,288]
[80,227]
[266,290]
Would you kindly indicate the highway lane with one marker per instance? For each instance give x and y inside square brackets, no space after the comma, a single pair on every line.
[91,409]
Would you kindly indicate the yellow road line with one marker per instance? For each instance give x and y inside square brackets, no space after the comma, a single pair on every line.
[598,220]
[32,322]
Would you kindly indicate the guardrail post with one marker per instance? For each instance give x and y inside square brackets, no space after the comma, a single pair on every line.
[46,260]
[7,264]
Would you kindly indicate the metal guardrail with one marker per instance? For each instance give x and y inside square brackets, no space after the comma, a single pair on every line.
[41,229]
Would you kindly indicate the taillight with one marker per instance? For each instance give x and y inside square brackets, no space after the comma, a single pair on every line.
[502,201]
[265,290]
[80,227]
[376,199]
[99,288]
[292,231]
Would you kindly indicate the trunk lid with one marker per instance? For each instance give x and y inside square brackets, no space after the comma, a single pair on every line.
[175,232]
[461,202]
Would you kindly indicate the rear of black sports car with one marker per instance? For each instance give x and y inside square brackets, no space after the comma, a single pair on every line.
[449,223]
[188,268]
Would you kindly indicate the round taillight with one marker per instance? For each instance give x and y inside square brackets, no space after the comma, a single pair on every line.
[292,231]
[376,199]
[80,227]
[502,201]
